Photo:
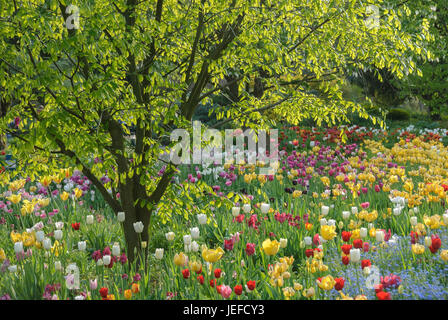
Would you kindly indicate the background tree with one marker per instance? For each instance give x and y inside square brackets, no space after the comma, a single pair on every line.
[148,65]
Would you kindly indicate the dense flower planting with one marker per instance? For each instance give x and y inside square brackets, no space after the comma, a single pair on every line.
[359,218]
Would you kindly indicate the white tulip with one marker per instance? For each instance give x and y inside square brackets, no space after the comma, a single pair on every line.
[331,222]
[363,232]
[202,218]
[18,247]
[345,215]
[89,219]
[325,210]
[379,236]
[236,211]
[59,225]
[82,245]
[283,243]
[57,265]
[194,246]
[138,227]
[159,254]
[120,216]
[428,241]
[40,235]
[397,211]
[308,241]
[58,234]
[12,268]
[416,210]
[194,233]
[46,243]
[169,236]
[355,255]
[106,260]
[323,222]
[366,271]
[99,263]
[265,207]
[116,249]
[354,210]
[414,221]
[187,239]
[246,207]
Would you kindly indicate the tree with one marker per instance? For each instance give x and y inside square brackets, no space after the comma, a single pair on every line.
[78,86]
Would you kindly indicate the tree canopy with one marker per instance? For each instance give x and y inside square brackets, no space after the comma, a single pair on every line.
[79,87]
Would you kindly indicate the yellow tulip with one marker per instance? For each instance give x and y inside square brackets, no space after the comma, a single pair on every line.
[418,248]
[2,255]
[326,283]
[270,247]
[78,193]
[444,255]
[15,198]
[15,237]
[195,266]
[64,196]
[212,255]
[127,294]
[328,232]
[180,259]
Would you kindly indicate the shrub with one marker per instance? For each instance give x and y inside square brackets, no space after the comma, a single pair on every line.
[398,114]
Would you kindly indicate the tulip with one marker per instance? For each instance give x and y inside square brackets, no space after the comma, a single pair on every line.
[265,208]
[59,225]
[12,268]
[428,241]
[331,222]
[159,254]
[324,210]
[40,235]
[326,283]
[283,243]
[57,265]
[18,247]
[328,232]
[226,291]
[194,233]
[345,215]
[116,251]
[212,255]
[413,221]
[138,227]
[323,222]
[270,247]
[169,236]
[363,232]
[445,218]
[354,210]
[202,218]
[379,236]
[93,284]
[187,239]
[82,245]
[180,259]
[194,246]
[106,260]
[246,209]
[46,243]
[308,241]
[355,255]
[89,219]
[235,211]
[58,234]
[120,216]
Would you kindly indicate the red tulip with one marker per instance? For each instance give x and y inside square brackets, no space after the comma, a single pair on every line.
[346,235]
[357,243]
[200,279]
[339,283]
[346,260]
[346,248]
[365,263]
[238,289]
[186,273]
[251,285]
[217,273]
[383,295]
